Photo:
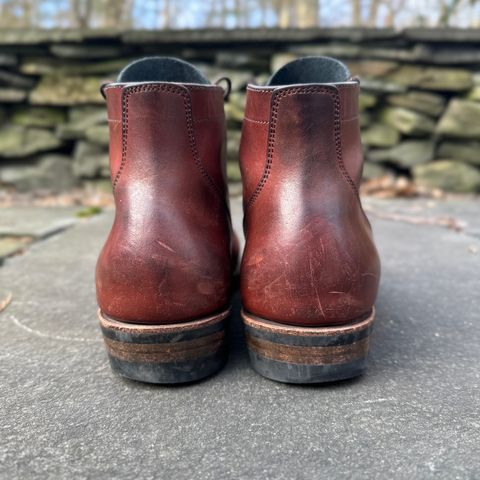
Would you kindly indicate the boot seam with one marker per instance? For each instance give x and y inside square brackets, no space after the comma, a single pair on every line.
[261,122]
[177,90]
[276,98]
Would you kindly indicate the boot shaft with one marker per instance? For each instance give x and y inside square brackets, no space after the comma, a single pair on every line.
[169,137]
[300,136]
[309,257]
[167,258]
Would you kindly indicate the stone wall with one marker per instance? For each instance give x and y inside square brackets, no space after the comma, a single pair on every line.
[420,102]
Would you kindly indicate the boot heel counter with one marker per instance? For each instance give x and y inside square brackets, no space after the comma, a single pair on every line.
[166,280]
[328,274]
[167,258]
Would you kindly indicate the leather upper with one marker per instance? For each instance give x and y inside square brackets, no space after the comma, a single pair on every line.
[309,257]
[168,256]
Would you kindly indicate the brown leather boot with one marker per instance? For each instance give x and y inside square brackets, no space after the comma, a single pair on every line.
[310,270]
[163,277]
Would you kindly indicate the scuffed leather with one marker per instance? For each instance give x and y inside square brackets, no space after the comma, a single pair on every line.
[309,257]
[168,256]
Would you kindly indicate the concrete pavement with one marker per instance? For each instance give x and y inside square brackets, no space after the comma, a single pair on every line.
[415,414]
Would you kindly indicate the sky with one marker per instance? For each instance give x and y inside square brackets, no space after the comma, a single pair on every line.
[194,13]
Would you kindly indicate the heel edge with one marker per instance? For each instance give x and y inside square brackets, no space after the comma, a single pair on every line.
[166,354]
[293,354]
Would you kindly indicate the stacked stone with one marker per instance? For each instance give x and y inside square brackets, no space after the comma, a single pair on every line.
[420,103]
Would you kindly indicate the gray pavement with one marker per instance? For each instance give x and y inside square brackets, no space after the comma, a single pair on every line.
[415,414]
[21,226]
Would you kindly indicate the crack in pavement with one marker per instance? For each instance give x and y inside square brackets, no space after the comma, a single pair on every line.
[35,239]
[38,333]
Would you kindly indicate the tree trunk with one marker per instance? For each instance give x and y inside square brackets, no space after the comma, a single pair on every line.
[238,13]
[166,14]
[448,9]
[127,18]
[211,13]
[263,12]
[307,13]
[284,20]
[356,13]
[223,13]
[81,12]
[373,13]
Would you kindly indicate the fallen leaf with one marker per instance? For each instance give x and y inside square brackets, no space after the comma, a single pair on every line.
[447,222]
[5,302]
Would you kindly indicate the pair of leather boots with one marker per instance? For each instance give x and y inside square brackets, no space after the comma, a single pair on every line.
[310,271]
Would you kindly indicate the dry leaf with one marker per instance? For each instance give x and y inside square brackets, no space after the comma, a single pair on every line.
[5,302]
[447,222]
